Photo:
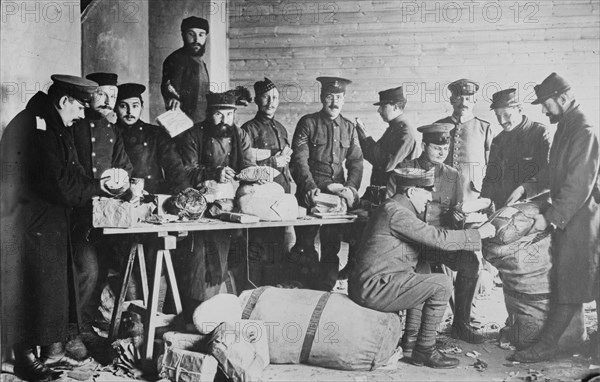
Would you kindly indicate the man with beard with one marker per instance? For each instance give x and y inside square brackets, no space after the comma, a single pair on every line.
[215,149]
[518,154]
[152,151]
[37,200]
[323,142]
[185,80]
[99,147]
[573,216]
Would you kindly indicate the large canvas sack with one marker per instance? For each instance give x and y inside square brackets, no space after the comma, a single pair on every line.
[322,329]
[514,222]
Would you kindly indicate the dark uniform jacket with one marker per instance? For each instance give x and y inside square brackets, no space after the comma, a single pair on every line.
[393,241]
[516,157]
[153,154]
[204,155]
[397,144]
[470,144]
[189,77]
[44,183]
[321,146]
[572,176]
[269,134]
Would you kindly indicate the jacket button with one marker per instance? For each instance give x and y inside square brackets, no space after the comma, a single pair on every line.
[149,176]
[93,139]
[145,144]
[93,154]
[141,128]
[94,169]
[110,140]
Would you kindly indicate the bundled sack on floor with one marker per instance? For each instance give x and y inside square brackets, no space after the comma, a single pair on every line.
[523,260]
[322,329]
[268,201]
[185,359]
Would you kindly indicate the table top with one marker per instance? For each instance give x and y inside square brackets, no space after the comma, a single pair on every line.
[215,224]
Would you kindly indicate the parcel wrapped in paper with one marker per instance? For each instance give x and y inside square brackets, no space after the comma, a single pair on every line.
[267,201]
[117,213]
[516,221]
[258,173]
[189,204]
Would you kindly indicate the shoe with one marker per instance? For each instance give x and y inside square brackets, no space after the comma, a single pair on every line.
[434,359]
[30,368]
[537,353]
[407,347]
[465,332]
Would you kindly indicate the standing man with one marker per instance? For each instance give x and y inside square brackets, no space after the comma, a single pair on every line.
[185,80]
[324,142]
[217,150]
[99,147]
[518,154]
[384,277]
[48,184]
[152,151]
[573,216]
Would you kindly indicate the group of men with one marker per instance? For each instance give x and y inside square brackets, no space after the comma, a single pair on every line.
[63,149]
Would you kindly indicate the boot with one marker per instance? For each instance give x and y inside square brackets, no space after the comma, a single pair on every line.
[464,291]
[546,348]
[432,358]
[30,368]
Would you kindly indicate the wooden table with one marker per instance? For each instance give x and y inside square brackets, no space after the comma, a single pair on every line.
[168,233]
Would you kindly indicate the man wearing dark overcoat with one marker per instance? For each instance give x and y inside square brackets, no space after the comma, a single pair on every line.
[574,214]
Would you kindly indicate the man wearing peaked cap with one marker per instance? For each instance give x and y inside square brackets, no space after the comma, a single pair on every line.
[518,153]
[99,146]
[384,277]
[185,80]
[573,216]
[214,150]
[45,182]
[323,143]
[153,153]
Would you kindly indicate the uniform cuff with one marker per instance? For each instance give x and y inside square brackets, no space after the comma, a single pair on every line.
[555,217]
[473,240]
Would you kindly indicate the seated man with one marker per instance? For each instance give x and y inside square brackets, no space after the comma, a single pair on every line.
[395,238]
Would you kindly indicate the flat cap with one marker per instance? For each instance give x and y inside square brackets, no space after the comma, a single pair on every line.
[552,86]
[79,88]
[103,79]
[436,133]
[505,98]
[261,87]
[224,100]
[463,87]
[408,176]
[194,22]
[394,95]
[130,90]
[333,84]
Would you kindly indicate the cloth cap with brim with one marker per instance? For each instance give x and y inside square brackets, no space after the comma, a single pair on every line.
[333,85]
[552,86]
[261,87]
[194,22]
[79,88]
[408,176]
[395,95]
[437,133]
[221,100]
[103,79]
[505,98]
[130,90]
[463,87]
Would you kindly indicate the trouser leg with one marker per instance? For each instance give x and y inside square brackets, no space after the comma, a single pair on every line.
[87,268]
[331,240]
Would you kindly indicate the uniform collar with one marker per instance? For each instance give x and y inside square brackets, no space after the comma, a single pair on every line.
[399,121]
[457,121]
[425,163]
[337,120]
[262,117]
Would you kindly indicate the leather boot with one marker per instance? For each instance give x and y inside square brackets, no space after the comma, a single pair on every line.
[432,358]
[30,368]
[464,291]
[546,348]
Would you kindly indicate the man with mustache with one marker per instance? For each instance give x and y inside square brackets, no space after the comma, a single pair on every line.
[37,199]
[185,80]
[215,149]
[99,146]
[573,216]
[470,143]
[323,143]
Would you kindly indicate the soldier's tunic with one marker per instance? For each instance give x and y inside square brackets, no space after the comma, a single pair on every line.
[269,134]
[470,144]
[572,175]
[516,157]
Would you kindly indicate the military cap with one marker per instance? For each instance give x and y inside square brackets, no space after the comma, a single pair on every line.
[552,86]
[394,95]
[408,176]
[463,87]
[437,133]
[194,22]
[130,90]
[103,79]
[221,100]
[79,88]
[505,98]
[333,84]
[261,87]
